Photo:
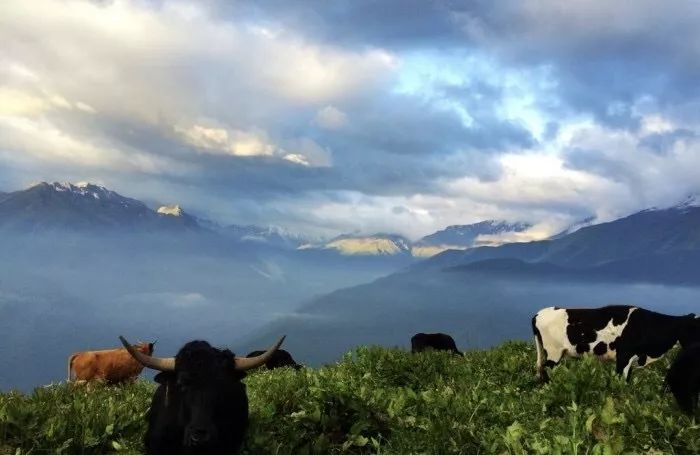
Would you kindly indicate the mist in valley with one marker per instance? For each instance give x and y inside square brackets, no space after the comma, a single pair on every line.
[62,292]
[479,310]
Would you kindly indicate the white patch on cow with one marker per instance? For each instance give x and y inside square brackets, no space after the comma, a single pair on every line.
[626,371]
[608,334]
[552,324]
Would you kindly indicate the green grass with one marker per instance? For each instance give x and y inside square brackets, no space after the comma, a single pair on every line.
[390,402]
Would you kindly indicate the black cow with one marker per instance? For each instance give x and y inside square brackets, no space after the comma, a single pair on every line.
[626,334]
[438,341]
[200,406]
[279,359]
[683,378]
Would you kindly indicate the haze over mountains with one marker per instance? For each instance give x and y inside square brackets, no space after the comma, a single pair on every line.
[88,264]
[83,264]
[85,206]
[484,295]
[456,237]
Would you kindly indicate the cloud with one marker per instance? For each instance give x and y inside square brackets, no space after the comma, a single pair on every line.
[331,118]
[221,140]
[335,119]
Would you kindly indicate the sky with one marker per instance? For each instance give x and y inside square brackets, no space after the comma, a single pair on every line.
[360,116]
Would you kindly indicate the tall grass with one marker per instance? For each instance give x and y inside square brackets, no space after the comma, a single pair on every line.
[391,402]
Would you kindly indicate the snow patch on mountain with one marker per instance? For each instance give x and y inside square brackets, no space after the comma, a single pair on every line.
[692,200]
[87,189]
[460,237]
[372,245]
[171,210]
[589,221]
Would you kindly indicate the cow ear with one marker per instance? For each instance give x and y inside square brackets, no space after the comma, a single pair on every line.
[164,376]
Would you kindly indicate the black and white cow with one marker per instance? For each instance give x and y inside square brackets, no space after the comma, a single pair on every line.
[626,334]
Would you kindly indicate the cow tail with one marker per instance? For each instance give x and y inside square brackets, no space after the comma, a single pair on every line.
[70,367]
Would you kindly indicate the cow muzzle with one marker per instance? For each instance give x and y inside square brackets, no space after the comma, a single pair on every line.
[199,436]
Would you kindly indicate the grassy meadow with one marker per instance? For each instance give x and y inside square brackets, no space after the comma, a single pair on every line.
[387,401]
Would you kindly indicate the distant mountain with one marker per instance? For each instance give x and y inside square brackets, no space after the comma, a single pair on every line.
[179,215]
[461,237]
[589,221]
[371,245]
[458,237]
[485,295]
[268,235]
[81,206]
[649,232]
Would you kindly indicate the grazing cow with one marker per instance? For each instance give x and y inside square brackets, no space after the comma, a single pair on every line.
[200,405]
[109,365]
[279,359]
[438,341]
[626,334]
[683,378]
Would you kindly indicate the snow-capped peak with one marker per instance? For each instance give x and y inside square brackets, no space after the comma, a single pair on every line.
[172,210]
[353,244]
[83,189]
[88,190]
[692,200]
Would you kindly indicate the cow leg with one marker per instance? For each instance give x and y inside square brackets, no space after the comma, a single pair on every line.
[541,355]
[686,401]
[624,364]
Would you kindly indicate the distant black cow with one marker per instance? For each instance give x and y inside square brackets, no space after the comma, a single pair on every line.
[279,359]
[201,405]
[438,341]
[683,378]
[626,334]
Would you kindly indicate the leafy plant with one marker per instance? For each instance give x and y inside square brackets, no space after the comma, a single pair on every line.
[388,401]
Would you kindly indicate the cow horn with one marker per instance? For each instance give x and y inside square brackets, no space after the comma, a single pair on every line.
[156,363]
[246,363]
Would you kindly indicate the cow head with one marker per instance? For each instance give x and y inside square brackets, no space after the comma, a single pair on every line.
[145,348]
[200,393]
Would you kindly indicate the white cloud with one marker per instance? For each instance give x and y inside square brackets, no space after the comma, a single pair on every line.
[154,63]
[309,151]
[28,141]
[230,142]
[331,118]
[303,151]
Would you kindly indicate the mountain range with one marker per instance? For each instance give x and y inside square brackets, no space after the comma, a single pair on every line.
[96,259]
[655,231]
[485,295]
[456,237]
[84,206]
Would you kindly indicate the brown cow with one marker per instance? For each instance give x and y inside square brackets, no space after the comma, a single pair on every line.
[109,365]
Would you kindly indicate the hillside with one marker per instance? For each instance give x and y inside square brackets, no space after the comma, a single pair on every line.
[649,232]
[369,245]
[81,206]
[460,237]
[389,401]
